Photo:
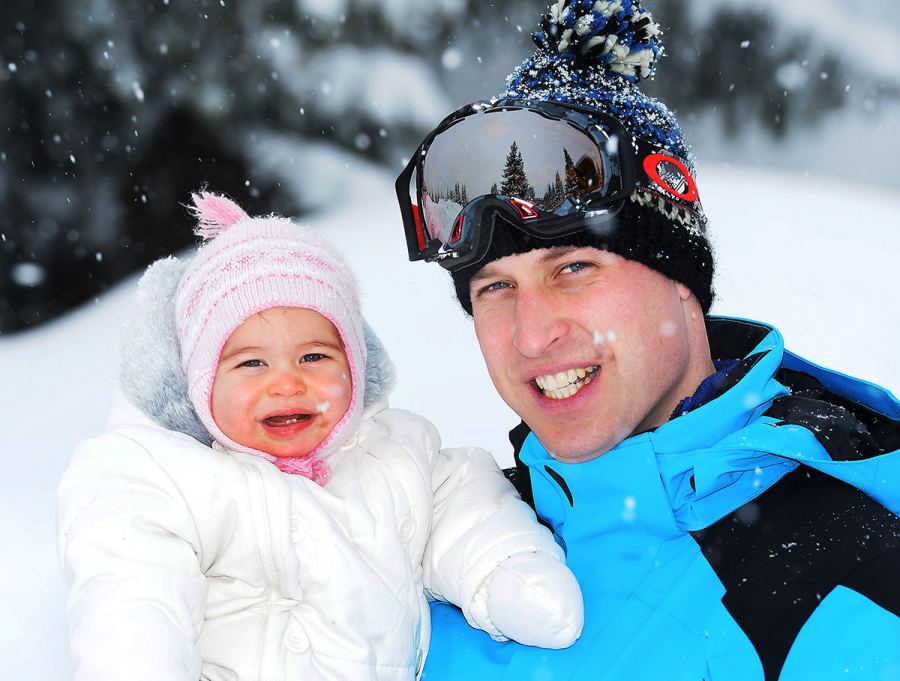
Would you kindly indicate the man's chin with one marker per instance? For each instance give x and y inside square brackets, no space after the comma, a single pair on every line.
[564,450]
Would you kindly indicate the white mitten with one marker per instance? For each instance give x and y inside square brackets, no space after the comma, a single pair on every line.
[534,599]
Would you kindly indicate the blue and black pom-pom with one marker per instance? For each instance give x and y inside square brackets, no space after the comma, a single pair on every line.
[615,34]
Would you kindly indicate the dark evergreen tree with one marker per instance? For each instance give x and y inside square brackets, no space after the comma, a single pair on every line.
[514,181]
[571,184]
[748,66]
[547,199]
[555,194]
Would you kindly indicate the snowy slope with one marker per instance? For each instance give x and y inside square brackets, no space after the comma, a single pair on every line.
[811,257]
[864,33]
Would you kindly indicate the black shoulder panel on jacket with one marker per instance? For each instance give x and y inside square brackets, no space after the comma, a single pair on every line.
[520,476]
[729,338]
[779,555]
[848,431]
[563,485]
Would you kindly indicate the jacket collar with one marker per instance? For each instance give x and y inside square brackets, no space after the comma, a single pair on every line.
[684,475]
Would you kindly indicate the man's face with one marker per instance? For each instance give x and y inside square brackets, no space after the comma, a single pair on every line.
[586,346]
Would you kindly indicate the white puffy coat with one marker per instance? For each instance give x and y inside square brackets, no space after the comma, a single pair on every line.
[187,561]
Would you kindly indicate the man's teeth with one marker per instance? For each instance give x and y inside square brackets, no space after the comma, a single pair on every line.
[565,383]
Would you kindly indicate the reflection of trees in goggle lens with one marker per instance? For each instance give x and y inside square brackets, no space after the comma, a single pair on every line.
[570,178]
[514,179]
[578,179]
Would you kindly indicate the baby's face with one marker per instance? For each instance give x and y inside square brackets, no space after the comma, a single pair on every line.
[282,383]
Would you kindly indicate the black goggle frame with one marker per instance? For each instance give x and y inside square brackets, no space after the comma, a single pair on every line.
[473,227]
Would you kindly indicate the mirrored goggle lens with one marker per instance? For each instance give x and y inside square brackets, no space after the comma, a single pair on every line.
[515,153]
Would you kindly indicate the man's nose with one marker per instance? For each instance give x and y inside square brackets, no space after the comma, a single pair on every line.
[538,326]
[287,382]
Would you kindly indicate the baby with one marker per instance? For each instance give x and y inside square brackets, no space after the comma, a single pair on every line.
[256,510]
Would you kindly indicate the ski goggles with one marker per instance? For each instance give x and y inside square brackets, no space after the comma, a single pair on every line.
[546,168]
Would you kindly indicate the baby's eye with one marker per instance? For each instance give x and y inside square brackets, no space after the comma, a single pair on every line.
[313,357]
[252,363]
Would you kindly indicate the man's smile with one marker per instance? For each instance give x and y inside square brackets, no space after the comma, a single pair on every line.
[564,384]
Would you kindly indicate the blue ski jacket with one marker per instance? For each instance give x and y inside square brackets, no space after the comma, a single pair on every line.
[755,537]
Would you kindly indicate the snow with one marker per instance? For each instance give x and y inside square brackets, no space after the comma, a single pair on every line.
[380,93]
[813,257]
[865,34]
[859,144]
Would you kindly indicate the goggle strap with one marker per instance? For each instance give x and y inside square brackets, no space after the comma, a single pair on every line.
[416,244]
[417,220]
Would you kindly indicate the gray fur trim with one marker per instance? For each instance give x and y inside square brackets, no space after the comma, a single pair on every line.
[381,376]
[149,359]
[150,371]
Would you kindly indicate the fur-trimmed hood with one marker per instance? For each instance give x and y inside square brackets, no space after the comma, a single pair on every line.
[150,374]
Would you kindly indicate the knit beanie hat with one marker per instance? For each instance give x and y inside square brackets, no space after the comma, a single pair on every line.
[592,54]
[247,265]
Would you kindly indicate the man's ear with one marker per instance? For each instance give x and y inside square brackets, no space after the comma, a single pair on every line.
[683,291]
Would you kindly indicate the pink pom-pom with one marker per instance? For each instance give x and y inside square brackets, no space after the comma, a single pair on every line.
[215,213]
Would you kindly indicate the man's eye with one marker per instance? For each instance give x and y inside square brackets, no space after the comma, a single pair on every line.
[573,267]
[495,286]
[313,357]
[252,363]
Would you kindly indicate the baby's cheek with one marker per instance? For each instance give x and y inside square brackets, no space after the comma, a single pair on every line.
[338,396]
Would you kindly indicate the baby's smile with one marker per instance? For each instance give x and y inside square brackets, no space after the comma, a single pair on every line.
[287,425]
[286,420]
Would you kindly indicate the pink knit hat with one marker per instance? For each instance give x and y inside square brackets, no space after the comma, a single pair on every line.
[248,265]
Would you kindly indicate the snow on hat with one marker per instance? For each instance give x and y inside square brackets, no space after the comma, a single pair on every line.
[247,265]
[593,53]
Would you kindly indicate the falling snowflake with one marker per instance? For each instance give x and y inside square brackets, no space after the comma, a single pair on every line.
[667,328]
[451,58]
[628,512]
[28,274]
